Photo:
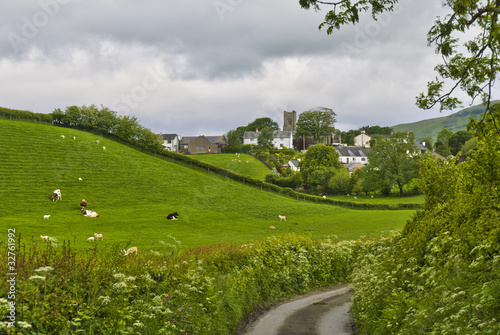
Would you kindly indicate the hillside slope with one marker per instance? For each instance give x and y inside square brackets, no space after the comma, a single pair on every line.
[431,127]
[134,192]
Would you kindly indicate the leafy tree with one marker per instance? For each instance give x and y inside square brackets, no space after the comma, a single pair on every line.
[393,161]
[262,123]
[372,130]
[232,138]
[319,165]
[442,146]
[317,122]
[428,142]
[265,138]
[457,140]
[471,65]
[340,183]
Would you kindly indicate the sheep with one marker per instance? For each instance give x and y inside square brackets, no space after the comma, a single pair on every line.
[74,137]
[80,179]
[98,236]
[324,197]
[62,136]
[89,214]
[282,218]
[90,239]
[103,148]
[56,195]
[96,141]
[129,251]
[44,238]
[371,197]
[355,197]
[46,217]
[272,227]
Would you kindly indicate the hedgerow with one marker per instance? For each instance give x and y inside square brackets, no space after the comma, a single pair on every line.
[208,290]
[441,275]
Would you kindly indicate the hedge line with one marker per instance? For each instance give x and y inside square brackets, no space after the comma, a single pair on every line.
[179,158]
[19,115]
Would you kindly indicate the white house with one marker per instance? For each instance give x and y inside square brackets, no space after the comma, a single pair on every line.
[362,140]
[281,139]
[170,142]
[350,154]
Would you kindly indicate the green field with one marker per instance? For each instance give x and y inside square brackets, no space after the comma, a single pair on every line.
[243,164]
[134,192]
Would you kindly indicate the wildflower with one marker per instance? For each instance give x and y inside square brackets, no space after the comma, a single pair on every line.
[44,269]
[105,299]
[119,275]
[130,278]
[120,285]
[37,277]
[23,324]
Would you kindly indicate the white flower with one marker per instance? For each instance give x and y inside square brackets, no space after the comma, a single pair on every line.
[44,269]
[37,277]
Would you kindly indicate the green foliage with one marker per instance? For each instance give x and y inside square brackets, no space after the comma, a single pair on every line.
[265,138]
[341,182]
[442,274]
[262,123]
[319,164]
[207,290]
[457,140]
[392,161]
[316,122]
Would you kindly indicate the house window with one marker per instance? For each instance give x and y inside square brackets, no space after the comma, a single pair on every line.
[363,159]
[203,147]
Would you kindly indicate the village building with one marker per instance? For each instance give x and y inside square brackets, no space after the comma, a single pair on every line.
[202,144]
[171,142]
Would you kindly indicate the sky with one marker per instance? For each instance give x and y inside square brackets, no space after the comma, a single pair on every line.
[206,67]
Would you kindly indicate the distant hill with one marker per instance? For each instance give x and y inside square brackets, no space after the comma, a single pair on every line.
[454,122]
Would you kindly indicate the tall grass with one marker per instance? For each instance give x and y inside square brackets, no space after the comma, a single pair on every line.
[207,290]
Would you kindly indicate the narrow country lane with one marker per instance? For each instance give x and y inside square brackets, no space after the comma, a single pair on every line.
[325,312]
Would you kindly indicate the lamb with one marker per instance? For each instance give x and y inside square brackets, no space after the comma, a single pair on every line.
[62,136]
[44,238]
[74,137]
[96,141]
[103,148]
[282,218]
[272,227]
[90,239]
[46,217]
[98,236]
[56,195]
[80,179]
[129,251]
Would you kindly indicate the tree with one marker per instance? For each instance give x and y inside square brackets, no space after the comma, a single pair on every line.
[442,146]
[319,165]
[262,123]
[393,161]
[265,138]
[316,122]
[457,140]
[471,66]
[232,138]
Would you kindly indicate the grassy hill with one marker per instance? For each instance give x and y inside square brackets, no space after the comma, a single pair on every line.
[431,127]
[243,164]
[134,192]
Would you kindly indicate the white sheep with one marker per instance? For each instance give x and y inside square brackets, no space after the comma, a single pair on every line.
[62,136]
[96,141]
[90,239]
[282,218]
[46,217]
[74,137]
[324,197]
[129,251]
[103,148]
[98,236]
[44,238]
[80,179]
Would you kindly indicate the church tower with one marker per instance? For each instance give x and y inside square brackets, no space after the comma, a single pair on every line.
[289,121]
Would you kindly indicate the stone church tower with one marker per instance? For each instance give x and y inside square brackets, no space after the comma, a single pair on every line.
[289,121]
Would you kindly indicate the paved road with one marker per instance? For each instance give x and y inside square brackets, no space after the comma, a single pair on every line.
[325,312]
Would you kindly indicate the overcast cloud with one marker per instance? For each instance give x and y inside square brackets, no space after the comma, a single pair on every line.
[206,67]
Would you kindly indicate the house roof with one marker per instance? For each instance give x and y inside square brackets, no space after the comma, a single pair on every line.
[352,151]
[422,147]
[168,137]
[253,135]
[213,139]
[354,166]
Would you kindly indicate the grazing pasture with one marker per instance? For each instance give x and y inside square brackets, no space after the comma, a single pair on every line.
[133,192]
[243,164]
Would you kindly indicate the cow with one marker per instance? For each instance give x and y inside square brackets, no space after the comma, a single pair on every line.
[56,195]
[173,216]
